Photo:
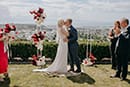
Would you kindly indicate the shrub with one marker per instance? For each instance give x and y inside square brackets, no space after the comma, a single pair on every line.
[25,49]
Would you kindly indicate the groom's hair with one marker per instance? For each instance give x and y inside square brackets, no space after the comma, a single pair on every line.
[70,20]
[126,20]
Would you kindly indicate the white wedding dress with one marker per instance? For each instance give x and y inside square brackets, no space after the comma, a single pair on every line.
[60,63]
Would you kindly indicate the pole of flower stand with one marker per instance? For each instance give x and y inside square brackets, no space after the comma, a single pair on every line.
[90,43]
[39,50]
[86,43]
[38,28]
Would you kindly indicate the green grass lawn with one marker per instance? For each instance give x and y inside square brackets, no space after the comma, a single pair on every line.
[22,76]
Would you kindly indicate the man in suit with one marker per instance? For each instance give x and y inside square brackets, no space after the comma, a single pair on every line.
[122,50]
[73,46]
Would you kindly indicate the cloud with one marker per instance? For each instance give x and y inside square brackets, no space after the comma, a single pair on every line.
[88,12]
[83,12]
[4,14]
[18,10]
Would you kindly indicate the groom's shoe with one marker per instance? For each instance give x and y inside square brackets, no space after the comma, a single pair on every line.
[71,70]
[123,79]
[77,71]
[115,76]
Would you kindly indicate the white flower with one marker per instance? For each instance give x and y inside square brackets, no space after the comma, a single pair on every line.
[41,61]
[39,20]
[69,29]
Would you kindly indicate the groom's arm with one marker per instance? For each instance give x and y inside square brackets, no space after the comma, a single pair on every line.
[74,36]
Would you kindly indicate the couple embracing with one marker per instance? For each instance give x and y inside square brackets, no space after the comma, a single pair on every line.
[67,37]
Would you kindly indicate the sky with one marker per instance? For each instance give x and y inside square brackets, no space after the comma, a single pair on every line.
[83,12]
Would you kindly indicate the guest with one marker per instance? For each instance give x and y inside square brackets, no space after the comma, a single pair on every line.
[113,38]
[122,50]
[3,57]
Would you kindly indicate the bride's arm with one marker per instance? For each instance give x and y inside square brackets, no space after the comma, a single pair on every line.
[65,32]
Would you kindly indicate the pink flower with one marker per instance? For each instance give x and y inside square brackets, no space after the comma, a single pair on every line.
[13,38]
[40,10]
[7,25]
[1,30]
[44,32]
[38,36]
[13,27]
[16,32]
[34,60]
[8,28]
[85,61]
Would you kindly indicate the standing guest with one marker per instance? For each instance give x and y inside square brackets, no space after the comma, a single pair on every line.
[3,57]
[122,50]
[113,38]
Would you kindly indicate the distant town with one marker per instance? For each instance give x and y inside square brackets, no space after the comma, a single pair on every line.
[89,32]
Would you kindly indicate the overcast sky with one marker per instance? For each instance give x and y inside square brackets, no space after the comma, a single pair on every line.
[83,12]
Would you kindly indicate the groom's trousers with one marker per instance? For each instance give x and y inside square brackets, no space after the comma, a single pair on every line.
[74,58]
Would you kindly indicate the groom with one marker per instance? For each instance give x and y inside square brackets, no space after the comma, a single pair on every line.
[73,46]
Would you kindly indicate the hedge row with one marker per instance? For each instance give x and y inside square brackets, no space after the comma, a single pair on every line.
[27,49]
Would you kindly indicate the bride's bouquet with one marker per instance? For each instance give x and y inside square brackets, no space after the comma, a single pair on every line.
[39,15]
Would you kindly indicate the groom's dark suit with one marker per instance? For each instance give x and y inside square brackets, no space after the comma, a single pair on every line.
[73,48]
[123,53]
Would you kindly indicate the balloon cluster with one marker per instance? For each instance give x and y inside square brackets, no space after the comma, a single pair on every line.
[39,15]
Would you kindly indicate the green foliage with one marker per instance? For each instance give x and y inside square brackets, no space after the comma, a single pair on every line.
[25,49]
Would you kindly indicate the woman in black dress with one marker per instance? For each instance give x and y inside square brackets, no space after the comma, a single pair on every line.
[113,38]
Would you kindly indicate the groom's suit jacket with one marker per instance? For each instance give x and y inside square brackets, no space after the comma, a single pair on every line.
[73,37]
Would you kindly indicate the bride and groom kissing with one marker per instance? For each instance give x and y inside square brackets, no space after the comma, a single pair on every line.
[66,38]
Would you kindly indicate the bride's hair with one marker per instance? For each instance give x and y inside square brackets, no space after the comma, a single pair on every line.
[60,23]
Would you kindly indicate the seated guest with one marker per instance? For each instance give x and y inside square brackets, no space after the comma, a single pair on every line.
[122,50]
[113,38]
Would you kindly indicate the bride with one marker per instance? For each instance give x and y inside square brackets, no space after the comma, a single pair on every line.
[60,63]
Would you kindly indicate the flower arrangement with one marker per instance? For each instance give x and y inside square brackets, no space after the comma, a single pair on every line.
[38,39]
[89,61]
[9,28]
[39,15]
[9,31]
[38,61]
